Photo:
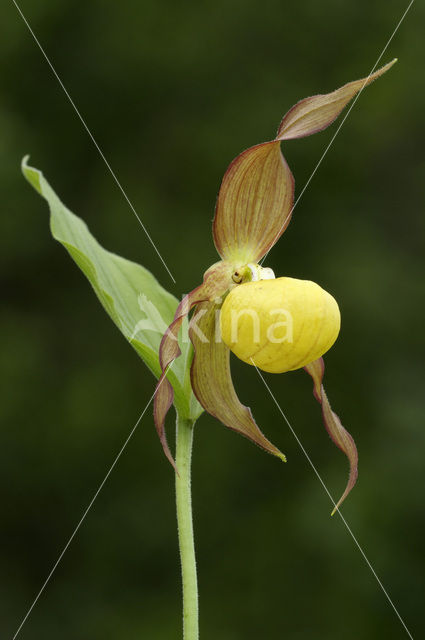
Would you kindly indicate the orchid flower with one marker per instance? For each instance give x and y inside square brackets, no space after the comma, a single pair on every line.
[276,324]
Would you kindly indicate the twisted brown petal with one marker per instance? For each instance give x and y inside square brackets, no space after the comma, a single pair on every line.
[212,381]
[333,425]
[316,113]
[254,204]
[216,283]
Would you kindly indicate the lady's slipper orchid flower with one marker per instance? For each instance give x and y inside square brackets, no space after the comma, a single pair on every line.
[276,324]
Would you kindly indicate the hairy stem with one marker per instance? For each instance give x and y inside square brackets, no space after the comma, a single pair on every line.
[184,439]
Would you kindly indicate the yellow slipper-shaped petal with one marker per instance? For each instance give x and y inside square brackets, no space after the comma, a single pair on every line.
[280,324]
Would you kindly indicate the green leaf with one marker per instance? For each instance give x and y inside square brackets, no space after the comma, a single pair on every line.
[129,293]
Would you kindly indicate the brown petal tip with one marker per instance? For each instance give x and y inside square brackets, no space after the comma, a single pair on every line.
[338,434]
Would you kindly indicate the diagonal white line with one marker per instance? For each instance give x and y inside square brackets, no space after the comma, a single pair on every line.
[344,119]
[93,139]
[334,503]
[83,518]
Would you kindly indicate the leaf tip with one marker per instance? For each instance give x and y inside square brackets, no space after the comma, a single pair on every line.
[31,174]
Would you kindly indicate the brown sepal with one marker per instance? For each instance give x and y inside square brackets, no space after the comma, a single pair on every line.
[254,204]
[212,382]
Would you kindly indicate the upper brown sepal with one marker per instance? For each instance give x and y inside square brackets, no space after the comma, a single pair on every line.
[254,204]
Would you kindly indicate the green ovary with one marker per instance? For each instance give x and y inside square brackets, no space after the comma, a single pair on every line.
[281,324]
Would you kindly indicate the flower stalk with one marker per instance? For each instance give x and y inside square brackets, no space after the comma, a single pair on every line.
[184,440]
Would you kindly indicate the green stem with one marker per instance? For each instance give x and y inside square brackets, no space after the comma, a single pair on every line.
[184,439]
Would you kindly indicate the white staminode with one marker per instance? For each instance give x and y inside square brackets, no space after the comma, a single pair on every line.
[260,273]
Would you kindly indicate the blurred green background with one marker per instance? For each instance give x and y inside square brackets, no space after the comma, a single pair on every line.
[172,91]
